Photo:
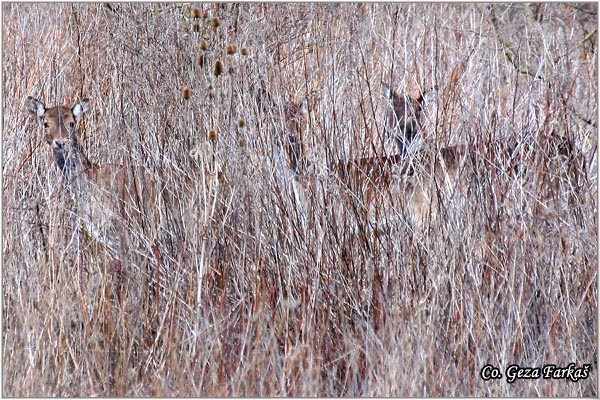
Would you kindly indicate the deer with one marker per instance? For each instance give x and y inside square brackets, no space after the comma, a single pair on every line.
[290,136]
[107,200]
[422,182]
[416,181]
[295,115]
[404,115]
[425,182]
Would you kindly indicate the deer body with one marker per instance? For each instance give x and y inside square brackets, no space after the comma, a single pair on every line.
[107,200]
[417,183]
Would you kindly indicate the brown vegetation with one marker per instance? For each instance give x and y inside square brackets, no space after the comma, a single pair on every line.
[276,254]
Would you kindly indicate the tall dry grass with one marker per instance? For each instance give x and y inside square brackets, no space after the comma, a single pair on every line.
[263,285]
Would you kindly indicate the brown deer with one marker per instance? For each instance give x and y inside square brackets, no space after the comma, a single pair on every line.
[295,119]
[423,182]
[418,183]
[108,200]
[293,116]
[403,117]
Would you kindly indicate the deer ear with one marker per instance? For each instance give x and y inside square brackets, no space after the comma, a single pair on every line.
[304,107]
[80,108]
[35,106]
[387,91]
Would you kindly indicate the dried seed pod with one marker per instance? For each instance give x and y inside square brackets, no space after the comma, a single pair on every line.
[218,68]
[231,49]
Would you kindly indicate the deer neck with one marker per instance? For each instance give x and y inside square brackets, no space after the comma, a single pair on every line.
[72,162]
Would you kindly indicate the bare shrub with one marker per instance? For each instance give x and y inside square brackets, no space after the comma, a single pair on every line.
[265,281]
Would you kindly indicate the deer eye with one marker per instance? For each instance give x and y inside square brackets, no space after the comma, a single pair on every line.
[72,124]
[46,125]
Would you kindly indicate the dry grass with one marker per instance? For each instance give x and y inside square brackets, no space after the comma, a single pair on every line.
[264,286]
